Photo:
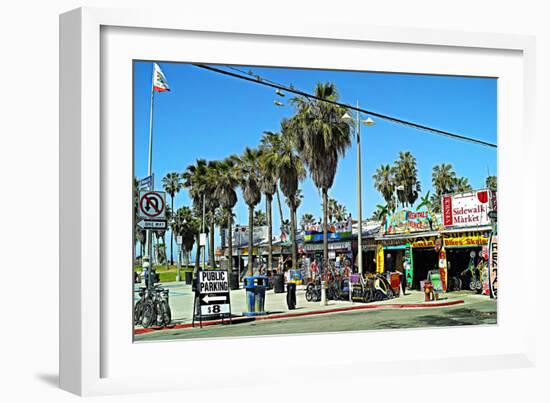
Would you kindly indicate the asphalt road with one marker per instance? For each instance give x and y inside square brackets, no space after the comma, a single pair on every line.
[474,313]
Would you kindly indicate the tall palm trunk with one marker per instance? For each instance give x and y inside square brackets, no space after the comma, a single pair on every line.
[281,217]
[230,242]
[172,235]
[268,211]
[198,253]
[211,243]
[250,239]
[325,228]
[293,235]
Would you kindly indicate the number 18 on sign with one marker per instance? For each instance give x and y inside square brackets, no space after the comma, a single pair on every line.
[213,292]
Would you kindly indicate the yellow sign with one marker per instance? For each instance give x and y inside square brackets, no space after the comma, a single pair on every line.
[475,240]
[379,258]
[423,243]
[244,251]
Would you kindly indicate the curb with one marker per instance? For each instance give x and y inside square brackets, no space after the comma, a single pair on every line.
[295,315]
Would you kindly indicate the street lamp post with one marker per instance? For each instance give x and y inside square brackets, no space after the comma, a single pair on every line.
[357,123]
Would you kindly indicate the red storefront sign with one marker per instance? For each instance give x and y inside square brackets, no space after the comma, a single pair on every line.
[466,209]
[447,210]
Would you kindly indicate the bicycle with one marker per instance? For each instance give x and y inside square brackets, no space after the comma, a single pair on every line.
[152,308]
[163,314]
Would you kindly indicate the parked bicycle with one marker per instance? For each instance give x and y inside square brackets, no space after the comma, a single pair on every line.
[153,307]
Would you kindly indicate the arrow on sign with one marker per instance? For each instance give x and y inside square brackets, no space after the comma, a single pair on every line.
[148,224]
[208,298]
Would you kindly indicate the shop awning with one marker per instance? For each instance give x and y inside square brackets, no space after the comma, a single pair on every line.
[467,229]
[407,236]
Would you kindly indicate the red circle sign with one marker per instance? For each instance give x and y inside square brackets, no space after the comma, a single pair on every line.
[151,204]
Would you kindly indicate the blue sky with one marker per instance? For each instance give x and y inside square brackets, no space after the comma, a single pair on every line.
[209,115]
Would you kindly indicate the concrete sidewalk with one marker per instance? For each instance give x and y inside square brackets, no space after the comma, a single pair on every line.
[181,302]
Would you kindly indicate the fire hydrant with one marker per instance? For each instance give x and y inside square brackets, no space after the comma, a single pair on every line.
[428,291]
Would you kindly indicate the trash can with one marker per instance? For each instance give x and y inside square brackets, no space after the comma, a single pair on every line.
[278,283]
[255,295]
[291,295]
[188,277]
[234,281]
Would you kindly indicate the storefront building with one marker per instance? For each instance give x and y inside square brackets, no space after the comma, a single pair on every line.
[417,242]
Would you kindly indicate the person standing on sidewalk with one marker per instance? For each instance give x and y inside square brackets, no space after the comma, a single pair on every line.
[314,268]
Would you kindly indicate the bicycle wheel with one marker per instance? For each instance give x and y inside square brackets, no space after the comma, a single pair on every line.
[379,295]
[309,295]
[138,312]
[148,315]
[165,313]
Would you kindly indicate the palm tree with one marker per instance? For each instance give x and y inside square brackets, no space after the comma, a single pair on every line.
[307,220]
[491,182]
[186,225]
[290,171]
[212,203]
[269,143]
[443,179]
[425,201]
[321,138]
[226,194]
[385,184]
[140,237]
[443,182]
[405,179]
[336,212]
[194,179]
[462,185]
[172,184]
[260,218]
[268,185]
[381,214]
[248,164]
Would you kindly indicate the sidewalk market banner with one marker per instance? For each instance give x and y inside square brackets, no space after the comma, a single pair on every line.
[340,230]
[407,221]
[466,209]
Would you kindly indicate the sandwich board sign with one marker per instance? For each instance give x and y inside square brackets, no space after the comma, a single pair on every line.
[212,294]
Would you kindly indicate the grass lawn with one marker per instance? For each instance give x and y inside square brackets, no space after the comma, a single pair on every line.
[168,274]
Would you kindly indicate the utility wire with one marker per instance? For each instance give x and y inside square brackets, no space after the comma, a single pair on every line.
[260,80]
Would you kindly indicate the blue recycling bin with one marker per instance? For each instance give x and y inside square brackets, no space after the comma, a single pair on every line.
[255,287]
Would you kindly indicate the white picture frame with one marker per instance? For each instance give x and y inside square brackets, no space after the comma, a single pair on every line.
[92,346]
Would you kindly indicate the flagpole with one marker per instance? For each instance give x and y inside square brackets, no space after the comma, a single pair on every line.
[149,233]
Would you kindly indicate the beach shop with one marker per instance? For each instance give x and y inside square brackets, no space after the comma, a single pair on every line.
[408,244]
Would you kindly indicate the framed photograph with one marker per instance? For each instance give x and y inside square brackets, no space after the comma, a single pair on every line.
[254,189]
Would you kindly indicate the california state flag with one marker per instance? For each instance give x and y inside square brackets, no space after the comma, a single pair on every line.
[159,81]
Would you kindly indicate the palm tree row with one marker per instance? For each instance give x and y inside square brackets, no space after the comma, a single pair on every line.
[399,184]
[315,138]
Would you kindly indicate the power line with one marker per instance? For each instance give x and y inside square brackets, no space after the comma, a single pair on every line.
[251,77]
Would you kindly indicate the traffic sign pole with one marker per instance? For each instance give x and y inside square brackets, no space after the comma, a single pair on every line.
[149,233]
